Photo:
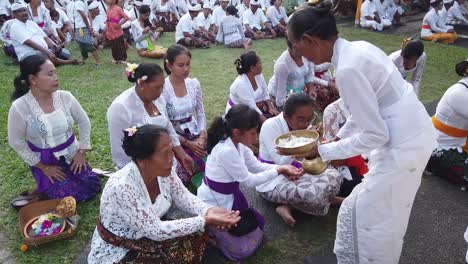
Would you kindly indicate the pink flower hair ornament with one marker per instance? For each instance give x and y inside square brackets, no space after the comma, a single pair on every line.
[131,131]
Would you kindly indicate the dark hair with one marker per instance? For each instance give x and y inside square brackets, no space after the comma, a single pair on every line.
[232,11]
[142,144]
[272,2]
[295,101]
[462,68]
[436,3]
[29,66]
[315,20]
[172,53]
[288,43]
[246,61]
[144,9]
[149,70]
[240,116]
[54,13]
[414,48]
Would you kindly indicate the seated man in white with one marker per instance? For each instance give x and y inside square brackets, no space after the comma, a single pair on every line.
[311,194]
[187,33]
[220,11]
[457,14]
[256,24]
[206,24]
[242,7]
[29,39]
[388,9]
[370,17]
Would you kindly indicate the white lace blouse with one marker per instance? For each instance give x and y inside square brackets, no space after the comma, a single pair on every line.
[179,108]
[27,122]
[126,210]
[127,110]
[242,92]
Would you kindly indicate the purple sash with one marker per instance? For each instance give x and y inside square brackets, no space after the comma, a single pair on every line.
[231,103]
[294,163]
[47,158]
[240,202]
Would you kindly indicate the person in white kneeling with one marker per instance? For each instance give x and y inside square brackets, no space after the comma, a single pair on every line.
[370,17]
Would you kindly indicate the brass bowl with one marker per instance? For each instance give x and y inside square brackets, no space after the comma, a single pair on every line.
[314,167]
[301,150]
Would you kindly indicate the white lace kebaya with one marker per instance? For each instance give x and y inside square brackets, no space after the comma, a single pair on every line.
[126,210]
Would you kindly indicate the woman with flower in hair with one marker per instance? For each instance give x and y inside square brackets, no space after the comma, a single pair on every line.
[410,60]
[132,226]
[250,88]
[185,110]
[139,105]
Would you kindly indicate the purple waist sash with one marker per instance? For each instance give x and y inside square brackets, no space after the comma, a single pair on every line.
[294,163]
[231,103]
[47,158]
[240,202]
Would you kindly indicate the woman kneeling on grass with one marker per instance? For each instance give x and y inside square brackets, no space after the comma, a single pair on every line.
[144,34]
[131,227]
[231,162]
[40,130]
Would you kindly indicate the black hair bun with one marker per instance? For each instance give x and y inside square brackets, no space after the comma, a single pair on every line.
[321,7]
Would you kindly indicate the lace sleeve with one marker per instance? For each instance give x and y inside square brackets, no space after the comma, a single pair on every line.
[185,200]
[418,73]
[17,135]
[331,124]
[199,109]
[138,214]
[80,117]
[281,72]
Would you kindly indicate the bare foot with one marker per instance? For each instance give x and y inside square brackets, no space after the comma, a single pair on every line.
[285,212]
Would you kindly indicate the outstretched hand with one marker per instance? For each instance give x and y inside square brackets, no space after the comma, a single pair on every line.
[290,171]
[221,218]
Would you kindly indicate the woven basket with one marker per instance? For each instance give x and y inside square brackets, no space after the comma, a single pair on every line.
[31,211]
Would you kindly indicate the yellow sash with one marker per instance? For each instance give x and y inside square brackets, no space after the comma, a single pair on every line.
[451,131]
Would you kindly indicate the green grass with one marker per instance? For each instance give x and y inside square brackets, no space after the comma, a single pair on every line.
[95,90]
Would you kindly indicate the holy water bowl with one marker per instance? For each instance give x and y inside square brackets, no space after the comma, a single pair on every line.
[295,150]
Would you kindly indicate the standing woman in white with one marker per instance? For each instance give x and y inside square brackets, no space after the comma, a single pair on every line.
[387,120]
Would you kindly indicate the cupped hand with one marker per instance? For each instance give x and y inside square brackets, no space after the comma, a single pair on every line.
[221,218]
[290,171]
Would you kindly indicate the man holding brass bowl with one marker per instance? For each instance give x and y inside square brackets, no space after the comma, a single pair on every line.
[314,191]
[386,120]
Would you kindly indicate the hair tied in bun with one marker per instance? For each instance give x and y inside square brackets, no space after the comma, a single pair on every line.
[131,131]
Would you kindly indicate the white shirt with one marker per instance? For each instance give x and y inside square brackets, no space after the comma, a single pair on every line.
[5,7]
[205,22]
[186,24]
[63,18]
[228,163]
[5,32]
[42,18]
[127,110]
[456,12]
[126,210]
[375,93]
[27,121]
[218,14]
[132,14]
[99,23]
[287,76]
[61,4]
[138,36]
[242,92]
[20,32]
[434,22]
[368,9]
[169,7]
[275,15]
[230,30]
[417,71]
[179,108]
[452,111]
[235,2]
[265,4]
[73,9]
[254,20]
[241,9]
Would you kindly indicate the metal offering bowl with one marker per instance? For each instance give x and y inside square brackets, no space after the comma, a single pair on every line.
[300,150]
[314,167]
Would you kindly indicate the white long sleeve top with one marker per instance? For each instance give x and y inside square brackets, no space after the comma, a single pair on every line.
[432,23]
[452,111]
[368,9]
[28,122]
[287,75]
[368,83]
[127,110]
[275,16]
[230,163]
[242,92]
[230,30]
[457,12]
[417,71]
[126,210]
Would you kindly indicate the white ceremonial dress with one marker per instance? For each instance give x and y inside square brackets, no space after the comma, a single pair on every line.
[389,121]
[126,210]
[227,163]
[288,77]
[230,30]
[275,15]
[417,71]
[242,92]
[127,110]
